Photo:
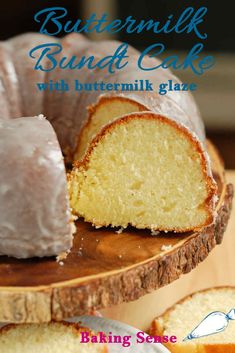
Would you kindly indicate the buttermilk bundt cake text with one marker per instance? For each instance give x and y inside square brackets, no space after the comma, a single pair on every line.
[188,22]
[115,61]
[101,86]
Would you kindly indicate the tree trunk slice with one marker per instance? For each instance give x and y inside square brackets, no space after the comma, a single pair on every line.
[105,268]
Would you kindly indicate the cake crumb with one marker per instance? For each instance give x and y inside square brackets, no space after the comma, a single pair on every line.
[61,263]
[155,232]
[166,247]
[96,226]
[80,251]
[120,230]
[62,256]
[40,117]
[73,228]
[73,217]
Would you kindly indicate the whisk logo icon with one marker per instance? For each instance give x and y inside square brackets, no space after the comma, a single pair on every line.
[213,323]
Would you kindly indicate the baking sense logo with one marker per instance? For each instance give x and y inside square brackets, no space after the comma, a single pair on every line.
[116,57]
[213,323]
[125,340]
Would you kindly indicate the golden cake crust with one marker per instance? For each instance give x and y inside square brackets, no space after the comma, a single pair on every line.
[76,329]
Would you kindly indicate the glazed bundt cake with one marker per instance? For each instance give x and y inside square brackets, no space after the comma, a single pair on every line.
[174,187]
[35,217]
[185,316]
[146,171]
[54,337]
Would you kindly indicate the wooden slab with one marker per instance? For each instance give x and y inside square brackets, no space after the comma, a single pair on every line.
[105,268]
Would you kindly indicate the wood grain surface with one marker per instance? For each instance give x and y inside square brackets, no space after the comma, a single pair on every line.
[105,268]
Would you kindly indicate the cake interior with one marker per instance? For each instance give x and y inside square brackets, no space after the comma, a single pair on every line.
[107,110]
[187,315]
[142,171]
[45,338]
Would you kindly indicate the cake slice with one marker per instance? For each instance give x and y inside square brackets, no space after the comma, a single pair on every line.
[54,337]
[184,316]
[147,171]
[110,107]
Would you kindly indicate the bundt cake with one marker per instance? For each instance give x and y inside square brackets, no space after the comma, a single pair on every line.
[174,114]
[186,315]
[35,217]
[53,337]
[147,171]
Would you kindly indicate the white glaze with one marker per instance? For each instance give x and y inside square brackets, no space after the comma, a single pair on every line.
[35,217]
